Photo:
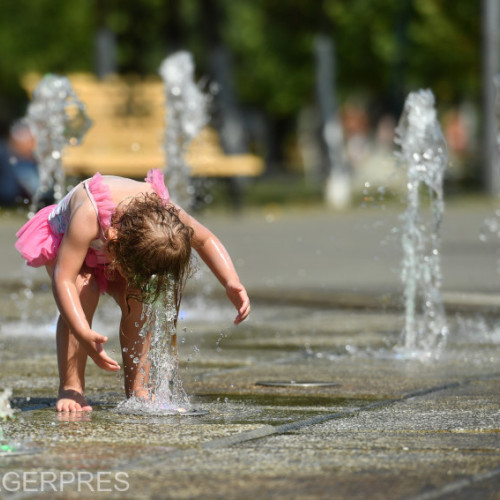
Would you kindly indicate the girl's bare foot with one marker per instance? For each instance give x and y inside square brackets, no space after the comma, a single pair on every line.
[71,400]
[142,394]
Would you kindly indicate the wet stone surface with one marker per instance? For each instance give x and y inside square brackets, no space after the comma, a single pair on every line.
[389,427]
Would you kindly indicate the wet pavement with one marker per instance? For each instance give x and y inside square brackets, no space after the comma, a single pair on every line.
[326,308]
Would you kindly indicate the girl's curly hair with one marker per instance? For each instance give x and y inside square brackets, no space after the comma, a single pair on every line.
[152,249]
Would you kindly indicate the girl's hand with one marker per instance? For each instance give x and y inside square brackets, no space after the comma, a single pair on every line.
[93,344]
[238,296]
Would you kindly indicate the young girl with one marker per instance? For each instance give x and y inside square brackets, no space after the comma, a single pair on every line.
[112,234]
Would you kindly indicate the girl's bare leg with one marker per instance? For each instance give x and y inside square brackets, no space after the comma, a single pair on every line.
[135,352]
[71,360]
[71,356]
[134,347]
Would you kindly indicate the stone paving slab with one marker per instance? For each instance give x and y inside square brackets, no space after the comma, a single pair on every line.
[393,428]
[398,450]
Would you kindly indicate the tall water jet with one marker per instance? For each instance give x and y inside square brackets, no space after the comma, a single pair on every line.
[424,154]
[165,386]
[56,118]
[164,391]
[185,116]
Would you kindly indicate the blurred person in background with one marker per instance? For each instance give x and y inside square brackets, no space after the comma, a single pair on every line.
[18,169]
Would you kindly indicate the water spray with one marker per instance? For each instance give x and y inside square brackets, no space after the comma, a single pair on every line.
[185,117]
[56,118]
[424,154]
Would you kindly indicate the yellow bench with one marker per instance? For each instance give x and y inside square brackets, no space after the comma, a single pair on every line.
[127,134]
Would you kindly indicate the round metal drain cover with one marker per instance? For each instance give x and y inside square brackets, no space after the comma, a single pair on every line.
[296,383]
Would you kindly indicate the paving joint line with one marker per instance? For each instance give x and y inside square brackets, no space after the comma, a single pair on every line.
[456,486]
[270,430]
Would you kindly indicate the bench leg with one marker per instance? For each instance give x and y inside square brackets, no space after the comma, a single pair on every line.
[235,187]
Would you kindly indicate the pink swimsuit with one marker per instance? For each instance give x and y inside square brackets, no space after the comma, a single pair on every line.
[39,239]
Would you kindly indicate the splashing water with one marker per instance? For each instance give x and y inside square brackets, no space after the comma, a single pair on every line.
[5,412]
[165,383]
[423,152]
[185,116]
[165,394]
[5,409]
[56,118]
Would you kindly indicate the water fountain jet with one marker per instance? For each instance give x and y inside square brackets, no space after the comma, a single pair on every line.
[56,118]
[423,152]
[165,392]
[184,118]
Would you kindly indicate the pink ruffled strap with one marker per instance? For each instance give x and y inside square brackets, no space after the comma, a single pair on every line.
[157,181]
[103,200]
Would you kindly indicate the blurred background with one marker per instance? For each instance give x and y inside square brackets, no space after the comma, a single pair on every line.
[278,71]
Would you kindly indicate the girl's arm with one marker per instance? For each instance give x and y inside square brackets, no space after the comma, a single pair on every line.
[83,228]
[213,253]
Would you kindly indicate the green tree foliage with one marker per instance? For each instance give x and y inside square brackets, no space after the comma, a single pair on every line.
[445,47]
[384,47]
[272,42]
[42,36]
